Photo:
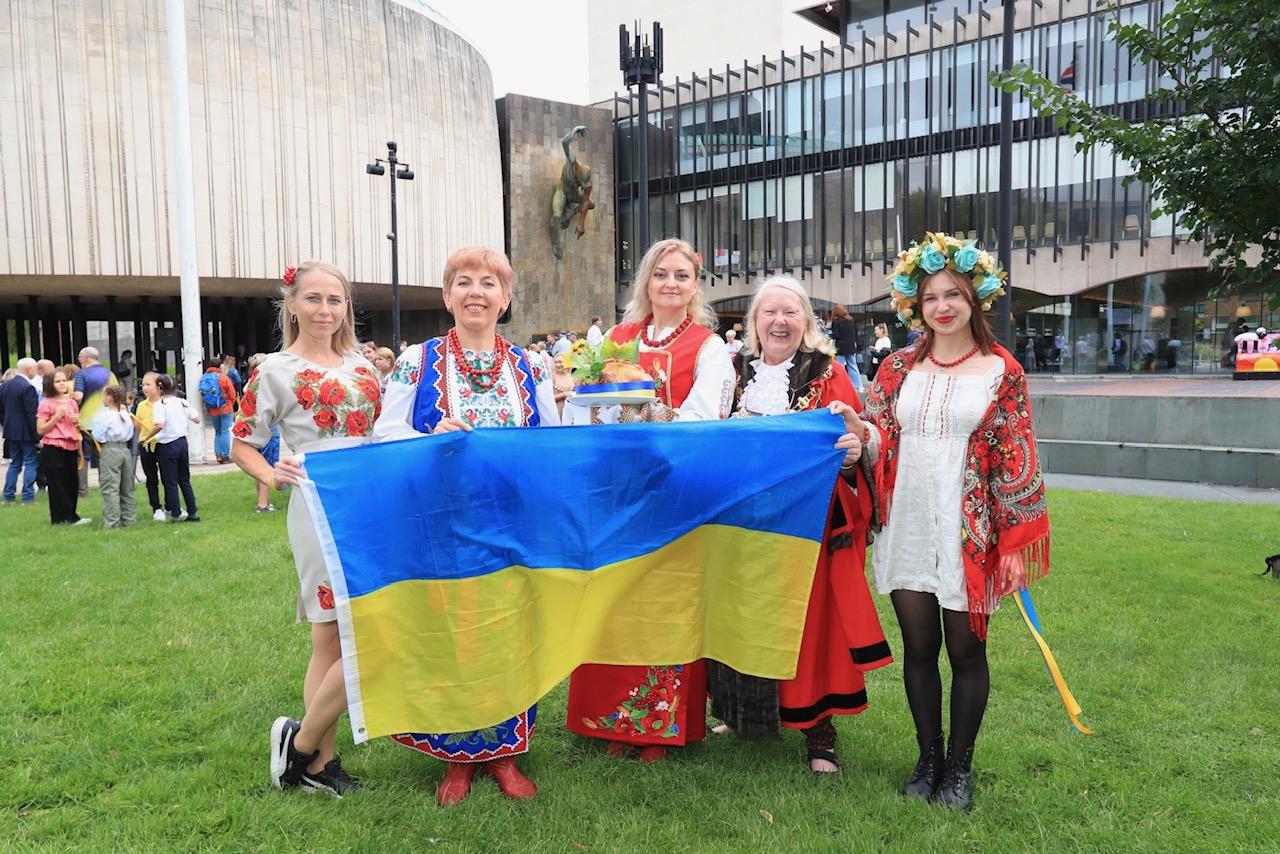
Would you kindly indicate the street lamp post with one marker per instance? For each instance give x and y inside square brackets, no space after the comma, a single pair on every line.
[399,171]
[641,64]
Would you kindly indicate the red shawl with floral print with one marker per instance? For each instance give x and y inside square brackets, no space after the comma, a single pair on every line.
[1004,512]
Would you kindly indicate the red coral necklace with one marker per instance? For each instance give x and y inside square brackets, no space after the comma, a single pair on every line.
[481,379]
[956,362]
[675,333]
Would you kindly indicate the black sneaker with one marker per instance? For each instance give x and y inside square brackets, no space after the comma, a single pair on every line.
[194,517]
[287,764]
[330,779]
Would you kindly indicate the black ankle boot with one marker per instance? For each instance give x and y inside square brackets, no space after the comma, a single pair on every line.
[928,772]
[956,789]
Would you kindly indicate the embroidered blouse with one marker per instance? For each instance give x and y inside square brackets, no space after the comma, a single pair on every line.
[427,386]
[315,407]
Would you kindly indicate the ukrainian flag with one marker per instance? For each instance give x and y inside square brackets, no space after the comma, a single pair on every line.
[473,572]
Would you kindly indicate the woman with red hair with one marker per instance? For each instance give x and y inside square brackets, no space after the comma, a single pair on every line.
[471,377]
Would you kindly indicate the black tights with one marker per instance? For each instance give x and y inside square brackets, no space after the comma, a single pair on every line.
[970,682]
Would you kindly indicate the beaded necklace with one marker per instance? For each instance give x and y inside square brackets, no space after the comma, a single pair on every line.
[480,379]
[945,365]
[675,333]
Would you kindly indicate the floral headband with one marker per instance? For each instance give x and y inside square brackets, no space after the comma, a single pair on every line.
[290,273]
[939,252]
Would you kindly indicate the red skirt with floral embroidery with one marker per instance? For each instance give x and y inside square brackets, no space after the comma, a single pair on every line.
[638,704]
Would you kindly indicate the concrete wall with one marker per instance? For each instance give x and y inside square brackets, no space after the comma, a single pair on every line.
[550,293]
[289,102]
[1197,439]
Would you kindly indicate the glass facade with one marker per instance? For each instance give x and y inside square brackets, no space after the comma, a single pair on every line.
[837,157]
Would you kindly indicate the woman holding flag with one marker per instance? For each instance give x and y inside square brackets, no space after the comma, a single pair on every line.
[694,380]
[786,365]
[471,377]
[965,520]
[322,394]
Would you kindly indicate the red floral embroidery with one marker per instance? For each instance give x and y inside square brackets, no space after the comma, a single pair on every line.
[370,389]
[310,376]
[363,371]
[242,430]
[357,423]
[649,709]
[325,419]
[332,393]
[249,404]
[306,395]
[324,595]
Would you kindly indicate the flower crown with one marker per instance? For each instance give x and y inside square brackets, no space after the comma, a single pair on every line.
[939,252]
[290,273]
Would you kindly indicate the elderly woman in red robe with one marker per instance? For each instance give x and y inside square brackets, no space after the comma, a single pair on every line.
[787,366]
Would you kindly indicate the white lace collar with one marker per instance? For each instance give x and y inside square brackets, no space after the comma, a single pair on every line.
[769,391]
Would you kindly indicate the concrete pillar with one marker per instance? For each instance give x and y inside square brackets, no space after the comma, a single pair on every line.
[51,336]
[79,326]
[33,328]
[113,342]
[20,332]
[4,342]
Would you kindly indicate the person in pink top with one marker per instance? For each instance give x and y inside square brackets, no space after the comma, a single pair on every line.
[57,422]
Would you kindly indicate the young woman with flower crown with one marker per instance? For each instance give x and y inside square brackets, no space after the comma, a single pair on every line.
[694,380]
[471,377]
[322,394]
[964,516]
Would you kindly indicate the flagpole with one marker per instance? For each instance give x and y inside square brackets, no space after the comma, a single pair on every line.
[189,281]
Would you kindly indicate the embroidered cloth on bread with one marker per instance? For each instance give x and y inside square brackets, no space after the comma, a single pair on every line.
[463,594]
[1003,513]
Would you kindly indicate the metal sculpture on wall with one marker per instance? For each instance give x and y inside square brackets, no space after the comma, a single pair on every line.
[572,196]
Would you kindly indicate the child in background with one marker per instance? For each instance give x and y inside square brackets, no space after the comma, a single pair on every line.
[113,431]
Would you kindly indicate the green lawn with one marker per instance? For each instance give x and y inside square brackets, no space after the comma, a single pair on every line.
[140,671]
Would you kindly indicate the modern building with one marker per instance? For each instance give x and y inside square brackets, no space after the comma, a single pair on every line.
[289,102]
[822,162]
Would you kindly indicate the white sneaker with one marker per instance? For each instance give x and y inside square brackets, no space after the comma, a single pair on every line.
[160,515]
[83,520]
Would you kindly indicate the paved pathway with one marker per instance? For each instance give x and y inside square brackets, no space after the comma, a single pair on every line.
[1164,489]
[1138,385]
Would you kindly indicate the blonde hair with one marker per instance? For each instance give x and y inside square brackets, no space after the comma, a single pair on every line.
[882,330]
[343,341]
[641,307]
[812,339]
[385,353]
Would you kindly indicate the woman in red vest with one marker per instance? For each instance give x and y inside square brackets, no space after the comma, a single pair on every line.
[694,380]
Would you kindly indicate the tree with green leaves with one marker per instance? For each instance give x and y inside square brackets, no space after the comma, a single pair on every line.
[1217,163]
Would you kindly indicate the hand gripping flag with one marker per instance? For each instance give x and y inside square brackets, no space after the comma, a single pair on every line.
[490,564]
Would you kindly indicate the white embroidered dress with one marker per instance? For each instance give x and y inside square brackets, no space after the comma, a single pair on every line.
[919,548]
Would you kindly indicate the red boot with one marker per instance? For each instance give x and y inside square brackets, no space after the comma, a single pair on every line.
[456,785]
[513,784]
[652,753]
